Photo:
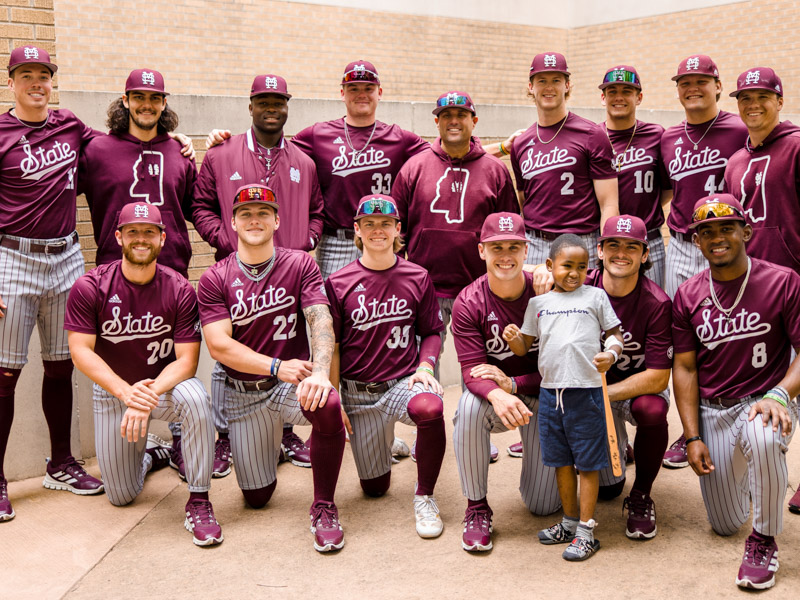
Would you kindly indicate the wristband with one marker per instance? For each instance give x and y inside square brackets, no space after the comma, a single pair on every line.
[614,352]
[513,385]
[696,438]
[503,150]
[782,391]
[771,395]
[427,370]
[276,364]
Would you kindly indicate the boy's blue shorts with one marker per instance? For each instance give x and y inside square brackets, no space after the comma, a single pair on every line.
[576,436]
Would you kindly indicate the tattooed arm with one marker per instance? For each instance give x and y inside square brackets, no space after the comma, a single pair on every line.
[313,391]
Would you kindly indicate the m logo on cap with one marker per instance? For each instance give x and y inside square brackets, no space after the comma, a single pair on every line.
[451,98]
[549,60]
[148,78]
[624,225]
[359,68]
[140,211]
[692,63]
[271,83]
[31,53]
[506,224]
[752,77]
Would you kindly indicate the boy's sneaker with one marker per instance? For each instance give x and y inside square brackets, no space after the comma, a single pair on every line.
[557,534]
[515,450]
[641,516]
[794,503]
[200,520]
[580,549]
[426,512]
[477,536]
[176,459]
[6,512]
[222,458]
[759,564]
[325,526]
[675,457]
[71,477]
[159,451]
[295,449]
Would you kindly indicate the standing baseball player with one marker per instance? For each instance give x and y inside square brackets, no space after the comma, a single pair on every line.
[502,389]
[636,147]
[134,331]
[254,306]
[734,384]
[563,165]
[260,155]
[695,154]
[381,304]
[40,258]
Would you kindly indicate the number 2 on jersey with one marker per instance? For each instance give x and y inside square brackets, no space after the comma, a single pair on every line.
[159,350]
[282,322]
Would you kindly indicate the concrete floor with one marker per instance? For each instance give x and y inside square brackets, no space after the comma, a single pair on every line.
[64,546]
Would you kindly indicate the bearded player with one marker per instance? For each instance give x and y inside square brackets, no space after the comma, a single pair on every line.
[254,306]
[380,305]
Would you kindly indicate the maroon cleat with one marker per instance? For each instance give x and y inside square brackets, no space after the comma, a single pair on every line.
[70,476]
[675,457]
[6,512]
[222,458]
[477,536]
[176,459]
[159,452]
[759,563]
[641,516]
[794,503]
[200,520]
[295,450]
[325,526]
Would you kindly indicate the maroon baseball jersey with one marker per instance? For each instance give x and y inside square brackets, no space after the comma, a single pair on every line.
[351,165]
[116,170]
[646,315]
[766,180]
[443,202]
[479,318]
[641,176]
[38,174]
[377,316]
[695,173]
[267,316]
[557,177]
[239,161]
[137,326]
[749,353]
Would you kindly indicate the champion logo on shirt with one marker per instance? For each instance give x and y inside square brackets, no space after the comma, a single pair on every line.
[679,141]
[360,288]
[236,176]
[115,300]
[491,317]
[338,140]
[237,283]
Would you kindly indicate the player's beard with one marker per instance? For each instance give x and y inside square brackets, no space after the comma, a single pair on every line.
[141,124]
[131,257]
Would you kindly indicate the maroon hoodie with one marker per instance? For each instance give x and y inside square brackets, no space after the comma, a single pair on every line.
[766,180]
[117,169]
[443,202]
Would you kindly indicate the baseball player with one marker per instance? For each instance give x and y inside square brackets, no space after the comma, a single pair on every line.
[40,257]
[563,165]
[735,382]
[502,389]
[134,331]
[695,154]
[636,147]
[260,155]
[254,306]
[381,304]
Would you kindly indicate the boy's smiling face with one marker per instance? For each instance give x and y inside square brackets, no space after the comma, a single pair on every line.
[569,268]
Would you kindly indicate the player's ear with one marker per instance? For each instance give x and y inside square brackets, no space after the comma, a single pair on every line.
[380,93]
[163,238]
[600,250]
[780,103]
[277,221]
[118,235]
[480,251]
[639,98]
[125,101]
[250,108]
[748,232]
[696,239]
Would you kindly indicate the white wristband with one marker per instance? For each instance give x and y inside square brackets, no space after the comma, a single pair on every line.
[614,352]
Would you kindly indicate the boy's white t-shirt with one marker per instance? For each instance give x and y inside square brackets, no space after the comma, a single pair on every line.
[569,326]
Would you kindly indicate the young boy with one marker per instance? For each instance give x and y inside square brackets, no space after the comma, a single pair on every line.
[569,323]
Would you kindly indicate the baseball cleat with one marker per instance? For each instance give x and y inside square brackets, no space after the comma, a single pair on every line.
[222,458]
[400,450]
[200,520]
[159,451]
[494,453]
[295,450]
[759,563]
[70,476]
[6,511]
[426,512]
[477,536]
[414,451]
[515,450]
[641,516]
[629,457]
[556,534]
[580,549]
[325,526]
[675,457]
[794,503]
[176,459]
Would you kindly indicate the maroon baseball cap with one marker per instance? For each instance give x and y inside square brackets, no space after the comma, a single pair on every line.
[548,61]
[698,64]
[718,207]
[502,227]
[759,78]
[26,55]
[254,193]
[269,84]
[624,75]
[360,70]
[140,212]
[625,226]
[145,80]
[377,204]
[454,99]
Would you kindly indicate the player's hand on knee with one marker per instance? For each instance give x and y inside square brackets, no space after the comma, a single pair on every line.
[486,371]
[699,458]
[294,370]
[772,411]
[313,391]
[216,137]
[140,396]
[603,361]
[134,424]
[428,381]
[511,410]
[346,421]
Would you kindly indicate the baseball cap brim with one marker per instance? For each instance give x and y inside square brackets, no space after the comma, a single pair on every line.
[766,88]
[146,89]
[53,68]
[504,237]
[274,205]
[271,93]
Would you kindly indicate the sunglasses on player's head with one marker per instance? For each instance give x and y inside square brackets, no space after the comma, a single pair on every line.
[377,206]
[622,76]
[254,194]
[360,75]
[716,210]
[452,101]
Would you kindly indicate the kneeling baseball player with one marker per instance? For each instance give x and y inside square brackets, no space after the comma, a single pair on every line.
[380,304]
[134,331]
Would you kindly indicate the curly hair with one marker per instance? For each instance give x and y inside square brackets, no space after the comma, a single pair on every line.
[119,118]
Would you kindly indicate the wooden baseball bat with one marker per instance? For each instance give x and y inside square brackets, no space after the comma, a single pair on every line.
[611,431]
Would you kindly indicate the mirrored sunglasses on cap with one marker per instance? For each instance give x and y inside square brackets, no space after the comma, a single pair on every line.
[377,206]
[715,210]
[251,195]
[622,76]
[360,75]
[451,100]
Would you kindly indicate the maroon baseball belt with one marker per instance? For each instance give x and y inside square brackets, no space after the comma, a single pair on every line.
[48,248]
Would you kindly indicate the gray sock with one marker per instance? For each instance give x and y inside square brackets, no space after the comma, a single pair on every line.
[586,530]
[569,523]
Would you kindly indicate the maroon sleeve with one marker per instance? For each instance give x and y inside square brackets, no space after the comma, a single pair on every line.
[470,348]
[206,215]
[430,348]
[305,140]
[479,387]
[529,384]
[683,337]
[187,319]
[600,156]
[658,341]
[81,312]
[791,315]
[188,193]
[212,305]
[414,144]
[312,290]
[514,157]
[315,210]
